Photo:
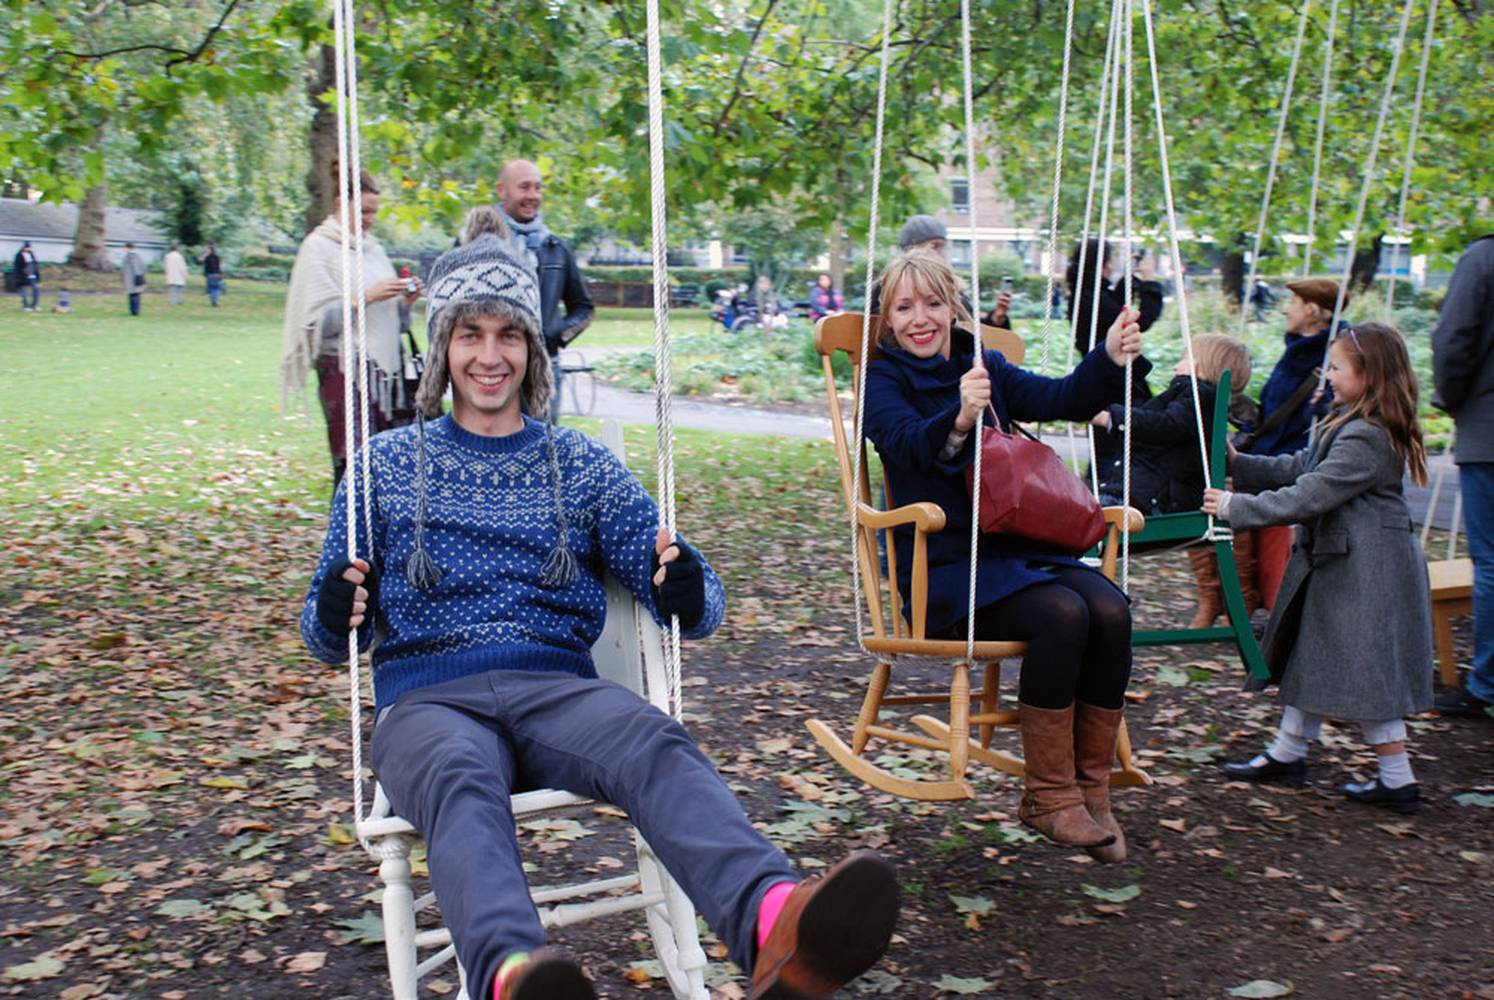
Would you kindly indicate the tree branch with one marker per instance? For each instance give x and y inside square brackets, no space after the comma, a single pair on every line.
[180,55]
[736,87]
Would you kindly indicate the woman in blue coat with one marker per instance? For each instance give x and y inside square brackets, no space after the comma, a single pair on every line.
[924,400]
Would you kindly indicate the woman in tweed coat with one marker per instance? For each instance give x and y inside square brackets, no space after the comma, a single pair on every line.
[1351,635]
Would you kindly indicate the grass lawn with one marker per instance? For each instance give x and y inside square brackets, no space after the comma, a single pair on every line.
[180,407]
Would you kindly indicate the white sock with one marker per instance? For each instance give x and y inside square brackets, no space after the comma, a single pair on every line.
[1395,770]
[1287,747]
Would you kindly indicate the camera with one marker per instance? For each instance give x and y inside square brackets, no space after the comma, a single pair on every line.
[411,286]
[1006,282]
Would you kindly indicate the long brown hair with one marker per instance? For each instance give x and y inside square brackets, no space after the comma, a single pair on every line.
[930,274]
[1378,354]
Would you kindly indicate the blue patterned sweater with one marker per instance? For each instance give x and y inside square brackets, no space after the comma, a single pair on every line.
[490,526]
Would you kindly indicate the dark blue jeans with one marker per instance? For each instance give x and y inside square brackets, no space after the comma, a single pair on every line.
[214,287]
[1476,480]
[30,294]
[134,303]
[448,756]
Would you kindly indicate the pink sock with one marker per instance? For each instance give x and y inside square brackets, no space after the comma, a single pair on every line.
[770,907]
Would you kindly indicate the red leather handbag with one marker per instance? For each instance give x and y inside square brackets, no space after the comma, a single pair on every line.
[1027,490]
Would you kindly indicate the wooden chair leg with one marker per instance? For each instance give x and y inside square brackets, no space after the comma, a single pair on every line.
[959,721]
[871,706]
[990,698]
[1127,775]
[1447,664]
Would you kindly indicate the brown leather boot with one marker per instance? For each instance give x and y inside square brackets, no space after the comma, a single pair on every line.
[1210,599]
[1052,804]
[1095,731]
[1245,566]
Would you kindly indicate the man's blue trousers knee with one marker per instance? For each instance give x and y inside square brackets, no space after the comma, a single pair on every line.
[449,756]
[1476,481]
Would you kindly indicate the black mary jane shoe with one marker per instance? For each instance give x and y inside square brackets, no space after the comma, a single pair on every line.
[1406,799]
[1271,771]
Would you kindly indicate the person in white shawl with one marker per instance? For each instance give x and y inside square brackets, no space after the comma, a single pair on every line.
[313,324]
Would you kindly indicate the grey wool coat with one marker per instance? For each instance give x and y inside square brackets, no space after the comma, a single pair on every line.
[1351,634]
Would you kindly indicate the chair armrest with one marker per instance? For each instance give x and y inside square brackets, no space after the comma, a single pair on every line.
[1117,516]
[925,516]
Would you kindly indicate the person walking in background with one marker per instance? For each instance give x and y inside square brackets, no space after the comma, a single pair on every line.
[565,306]
[28,276]
[176,275]
[1464,377]
[132,274]
[212,269]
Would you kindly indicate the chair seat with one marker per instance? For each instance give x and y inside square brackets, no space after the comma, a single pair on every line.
[1452,579]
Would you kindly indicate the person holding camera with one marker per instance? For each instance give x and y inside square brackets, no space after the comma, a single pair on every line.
[313,325]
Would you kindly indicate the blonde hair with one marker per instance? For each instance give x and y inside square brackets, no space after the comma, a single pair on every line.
[1378,354]
[930,274]
[1214,354]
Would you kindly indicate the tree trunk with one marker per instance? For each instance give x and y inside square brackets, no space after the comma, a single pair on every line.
[1232,272]
[321,187]
[838,256]
[89,251]
[1366,265]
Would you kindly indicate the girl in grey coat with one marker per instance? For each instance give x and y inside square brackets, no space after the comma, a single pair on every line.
[1351,634]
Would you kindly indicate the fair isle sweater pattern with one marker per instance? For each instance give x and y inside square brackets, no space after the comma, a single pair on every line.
[490,525]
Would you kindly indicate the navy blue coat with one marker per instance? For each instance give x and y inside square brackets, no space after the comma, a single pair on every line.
[911,405]
[1302,355]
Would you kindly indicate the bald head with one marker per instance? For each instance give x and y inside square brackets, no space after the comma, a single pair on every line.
[518,188]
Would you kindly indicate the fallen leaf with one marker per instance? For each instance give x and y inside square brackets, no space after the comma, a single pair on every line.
[307,961]
[1260,989]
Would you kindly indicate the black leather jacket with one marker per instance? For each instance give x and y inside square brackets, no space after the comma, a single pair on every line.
[560,283]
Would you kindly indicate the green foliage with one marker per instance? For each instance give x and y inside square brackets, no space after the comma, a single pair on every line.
[782,366]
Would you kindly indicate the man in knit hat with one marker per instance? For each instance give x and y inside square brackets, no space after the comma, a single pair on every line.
[481,595]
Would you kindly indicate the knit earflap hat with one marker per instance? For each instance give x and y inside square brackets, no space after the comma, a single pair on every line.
[483,278]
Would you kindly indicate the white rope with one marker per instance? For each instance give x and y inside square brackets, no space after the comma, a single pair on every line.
[1063,128]
[1400,217]
[1130,263]
[857,446]
[348,180]
[1452,534]
[663,379]
[1083,253]
[1364,190]
[1116,12]
[1173,244]
[1281,121]
[1317,151]
[1437,480]
[977,358]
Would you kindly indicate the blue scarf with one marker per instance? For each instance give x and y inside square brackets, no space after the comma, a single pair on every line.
[527,237]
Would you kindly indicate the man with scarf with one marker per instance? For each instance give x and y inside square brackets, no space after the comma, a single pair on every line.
[520,193]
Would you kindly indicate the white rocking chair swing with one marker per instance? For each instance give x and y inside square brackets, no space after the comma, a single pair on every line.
[632,650]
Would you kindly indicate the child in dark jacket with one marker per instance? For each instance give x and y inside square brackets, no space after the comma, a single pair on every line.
[1167,474]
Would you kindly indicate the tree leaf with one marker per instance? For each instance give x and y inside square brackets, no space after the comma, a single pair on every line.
[1124,894]
[44,967]
[963,986]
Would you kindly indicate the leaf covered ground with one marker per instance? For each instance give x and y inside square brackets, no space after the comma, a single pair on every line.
[174,770]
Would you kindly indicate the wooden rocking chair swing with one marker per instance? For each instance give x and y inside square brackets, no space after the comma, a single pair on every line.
[900,632]
[632,650]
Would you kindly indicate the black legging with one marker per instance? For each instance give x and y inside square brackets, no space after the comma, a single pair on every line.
[1078,635]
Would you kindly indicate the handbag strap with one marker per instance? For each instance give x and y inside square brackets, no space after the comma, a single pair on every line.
[1016,428]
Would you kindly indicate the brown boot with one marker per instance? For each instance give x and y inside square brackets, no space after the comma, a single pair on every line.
[1095,731]
[1052,804]
[1245,566]
[1210,600]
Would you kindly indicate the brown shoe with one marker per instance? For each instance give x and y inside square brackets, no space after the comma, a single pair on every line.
[1210,599]
[548,975]
[1095,731]
[831,929]
[1052,804]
